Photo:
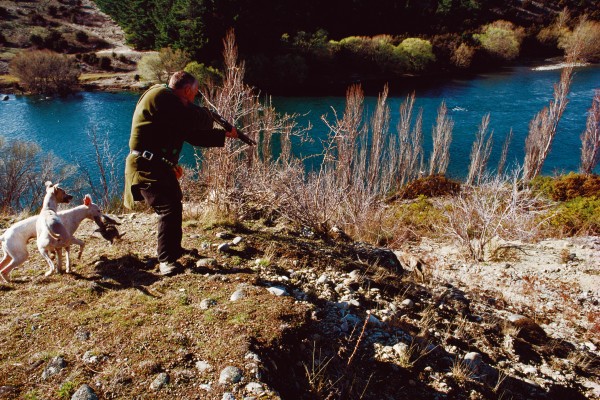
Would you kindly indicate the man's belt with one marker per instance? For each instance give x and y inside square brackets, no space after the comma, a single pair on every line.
[151,156]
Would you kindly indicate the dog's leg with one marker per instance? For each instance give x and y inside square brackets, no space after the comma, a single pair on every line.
[59,260]
[46,257]
[11,260]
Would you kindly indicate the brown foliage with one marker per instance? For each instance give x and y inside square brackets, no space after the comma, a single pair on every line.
[574,185]
[44,71]
[430,186]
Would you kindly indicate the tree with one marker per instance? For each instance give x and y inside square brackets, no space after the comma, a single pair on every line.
[584,43]
[419,51]
[501,39]
[160,66]
[44,71]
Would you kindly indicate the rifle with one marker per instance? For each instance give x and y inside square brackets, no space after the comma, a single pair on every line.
[225,124]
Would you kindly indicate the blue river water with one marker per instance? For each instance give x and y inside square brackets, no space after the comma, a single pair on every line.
[512,97]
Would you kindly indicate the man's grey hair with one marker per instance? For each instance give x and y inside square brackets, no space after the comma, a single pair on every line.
[181,79]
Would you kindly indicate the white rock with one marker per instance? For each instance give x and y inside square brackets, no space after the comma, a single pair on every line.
[203,366]
[278,291]
[237,295]
[229,375]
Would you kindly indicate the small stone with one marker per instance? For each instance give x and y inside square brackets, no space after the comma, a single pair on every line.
[206,262]
[55,365]
[278,291]
[203,366]
[228,396]
[223,247]
[408,303]
[230,375]
[254,388]
[207,303]
[84,393]
[89,357]
[473,361]
[400,348]
[237,295]
[236,240]
[82,335]
[160,381]
[590,346]
[223,235]
[373,320]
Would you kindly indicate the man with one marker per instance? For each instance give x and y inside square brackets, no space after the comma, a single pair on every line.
[165,117]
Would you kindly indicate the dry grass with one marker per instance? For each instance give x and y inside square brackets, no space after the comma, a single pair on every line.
[134,319]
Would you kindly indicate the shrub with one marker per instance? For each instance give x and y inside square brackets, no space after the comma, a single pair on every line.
[584,43]
[495,210]
[580,215]
[430,186]
[204,73]
[160,66]
[22,173]
[43,71]
[568,187]
[463,56]
[412,220]
[419,52]
[81,37]
[501,39]
[105,63]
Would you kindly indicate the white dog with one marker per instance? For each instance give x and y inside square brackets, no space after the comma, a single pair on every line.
[14,239]
[51,233]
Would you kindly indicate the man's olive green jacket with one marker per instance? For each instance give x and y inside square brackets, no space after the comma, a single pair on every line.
[161,123]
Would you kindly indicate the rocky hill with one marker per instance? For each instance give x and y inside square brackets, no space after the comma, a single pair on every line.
[267,312]
[72,27]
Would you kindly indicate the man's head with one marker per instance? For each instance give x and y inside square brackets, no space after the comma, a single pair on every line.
[184,85]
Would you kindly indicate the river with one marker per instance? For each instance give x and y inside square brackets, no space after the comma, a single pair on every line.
[512,97]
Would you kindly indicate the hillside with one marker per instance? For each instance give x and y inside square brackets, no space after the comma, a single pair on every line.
[307,47]
[281,315]
[73,27]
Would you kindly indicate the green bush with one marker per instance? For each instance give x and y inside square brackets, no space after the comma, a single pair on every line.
[419,52]
[501,39]
[204,73]
[567,187]
[580,215]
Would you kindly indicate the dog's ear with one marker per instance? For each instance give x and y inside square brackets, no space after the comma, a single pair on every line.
[87,200]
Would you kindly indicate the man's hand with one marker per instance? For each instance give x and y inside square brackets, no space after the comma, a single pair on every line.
[232,133]
[178,171]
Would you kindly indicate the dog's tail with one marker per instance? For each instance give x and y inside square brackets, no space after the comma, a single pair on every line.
[54,236]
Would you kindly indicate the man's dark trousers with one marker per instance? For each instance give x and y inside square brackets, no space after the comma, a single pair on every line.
[167,204]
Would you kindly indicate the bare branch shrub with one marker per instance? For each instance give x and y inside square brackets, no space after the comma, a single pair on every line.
[590,138]
[504,153]
[410,161]
[480,152]
[23,171]
[158,67]
[44,71]
[542,129]
[442,136]
[495,210]
[583,44]
[106,190]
